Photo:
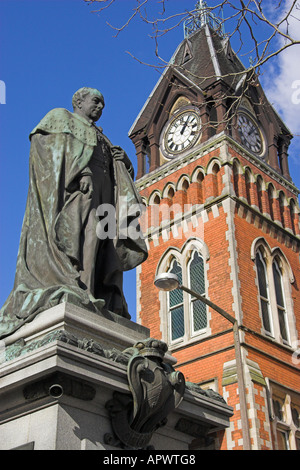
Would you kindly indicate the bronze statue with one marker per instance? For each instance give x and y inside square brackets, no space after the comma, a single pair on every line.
[76,175]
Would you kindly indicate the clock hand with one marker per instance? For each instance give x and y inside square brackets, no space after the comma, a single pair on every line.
[185,125]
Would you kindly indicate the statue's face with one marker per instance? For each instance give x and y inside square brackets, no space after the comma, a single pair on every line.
[91,106]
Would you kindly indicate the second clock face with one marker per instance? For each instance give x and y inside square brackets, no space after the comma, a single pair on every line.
[182,132]
[250,134]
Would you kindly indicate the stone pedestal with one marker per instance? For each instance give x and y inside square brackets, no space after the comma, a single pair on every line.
[58,373]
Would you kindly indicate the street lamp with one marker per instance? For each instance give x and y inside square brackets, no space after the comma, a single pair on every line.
[169,282]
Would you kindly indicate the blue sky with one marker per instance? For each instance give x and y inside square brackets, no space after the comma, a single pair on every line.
[49,49]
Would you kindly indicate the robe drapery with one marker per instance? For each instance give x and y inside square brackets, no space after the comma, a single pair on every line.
[54,262]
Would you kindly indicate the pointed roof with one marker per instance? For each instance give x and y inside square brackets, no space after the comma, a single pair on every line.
[213,59]
[201,59]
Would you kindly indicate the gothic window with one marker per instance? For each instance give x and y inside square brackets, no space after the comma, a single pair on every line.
[277,407]
[176,311]
[281,309]
[236,176]
[292,208]
[184,317]
[198,179]
[215,179]
[263,292]
[283,439]
[271,200]
[259,184]
[197,284]
[274,280]
[284,412]
[171,193]
[156,199]
[248,185]
[281,208]
[185,185]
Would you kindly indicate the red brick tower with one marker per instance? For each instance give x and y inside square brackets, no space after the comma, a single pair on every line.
[222,213]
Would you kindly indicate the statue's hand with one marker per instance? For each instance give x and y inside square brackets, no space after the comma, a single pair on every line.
[118,153]
[86,184]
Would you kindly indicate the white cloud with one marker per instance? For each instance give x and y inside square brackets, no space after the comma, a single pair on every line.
[281,82]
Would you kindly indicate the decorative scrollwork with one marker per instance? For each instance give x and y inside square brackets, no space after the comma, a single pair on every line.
[156,390]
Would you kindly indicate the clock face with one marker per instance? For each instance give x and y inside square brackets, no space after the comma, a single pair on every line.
[181,133]
[250,134]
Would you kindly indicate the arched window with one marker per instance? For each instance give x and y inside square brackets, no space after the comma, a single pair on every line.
[176,311]
[197,284]
[263,292]
[183,316]
[156,199]
[281,208]
[292,207]
[275,278]
[271,200]
[198,178]
[281,308]
[185,185]
[248,185]
[215,180]
[236,176]
[171,192]
[259,185]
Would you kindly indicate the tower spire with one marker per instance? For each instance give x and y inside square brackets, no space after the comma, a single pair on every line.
[201,16]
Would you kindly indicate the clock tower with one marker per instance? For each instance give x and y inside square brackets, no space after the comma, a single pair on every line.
[222,214]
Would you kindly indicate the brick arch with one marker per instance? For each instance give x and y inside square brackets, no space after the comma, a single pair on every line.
[257,177]
[166,190]
[199,170]
[212,164]
[184,179]
[272,197]
[248,178]
[248,170]
[278,254]
[153,195]
[193,243]
[284,219]
[270,185]
[144,201]
[235,163]
[237,171]
[197,186]
[154,214]
[260,242]
[251,191]
[213,179]
[166,259]
[294,214]
[260,187]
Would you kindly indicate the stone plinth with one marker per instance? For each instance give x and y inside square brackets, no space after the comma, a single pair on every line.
[56,381]
[109,329]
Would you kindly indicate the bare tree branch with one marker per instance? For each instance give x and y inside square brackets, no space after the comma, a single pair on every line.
[255,28]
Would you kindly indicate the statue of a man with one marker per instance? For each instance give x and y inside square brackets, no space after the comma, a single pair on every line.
[74,172]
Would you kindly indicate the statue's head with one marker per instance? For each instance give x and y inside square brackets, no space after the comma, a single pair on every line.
[88,102]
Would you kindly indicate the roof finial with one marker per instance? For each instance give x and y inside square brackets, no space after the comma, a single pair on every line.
[202,15]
